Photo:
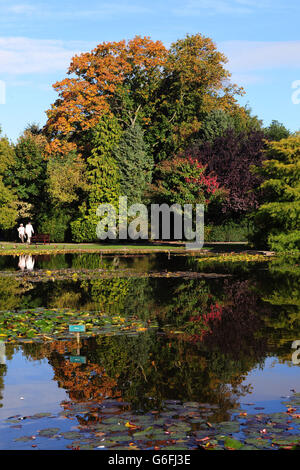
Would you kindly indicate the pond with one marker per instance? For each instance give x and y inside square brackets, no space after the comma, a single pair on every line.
[178,352]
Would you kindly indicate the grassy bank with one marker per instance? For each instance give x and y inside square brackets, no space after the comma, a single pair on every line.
[7,248]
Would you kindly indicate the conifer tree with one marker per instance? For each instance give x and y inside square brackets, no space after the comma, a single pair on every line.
[135,164]
[277,220]
[102,176]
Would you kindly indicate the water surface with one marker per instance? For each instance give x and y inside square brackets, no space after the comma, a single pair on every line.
[221,346]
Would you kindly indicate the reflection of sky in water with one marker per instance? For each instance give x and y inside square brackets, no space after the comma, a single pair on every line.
[271,383]
[32,380]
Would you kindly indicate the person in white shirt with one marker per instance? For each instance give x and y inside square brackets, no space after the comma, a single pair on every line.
[29,231]
[21,231]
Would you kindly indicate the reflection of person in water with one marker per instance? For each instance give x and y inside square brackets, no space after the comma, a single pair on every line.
[26,262]
[29,263]
[22,262]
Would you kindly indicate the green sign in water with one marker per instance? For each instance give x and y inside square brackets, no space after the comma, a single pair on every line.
[78,359]
[77,328]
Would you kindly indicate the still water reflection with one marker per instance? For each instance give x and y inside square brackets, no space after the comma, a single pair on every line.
[222,341]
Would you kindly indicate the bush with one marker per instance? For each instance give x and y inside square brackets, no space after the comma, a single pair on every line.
[84,230]
[285,242]
[57,225]
[228,232]
[277,220]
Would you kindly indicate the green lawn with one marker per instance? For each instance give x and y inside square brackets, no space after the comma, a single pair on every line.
[8,248]
[18,248]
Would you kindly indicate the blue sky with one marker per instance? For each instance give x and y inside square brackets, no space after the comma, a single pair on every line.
[37,40]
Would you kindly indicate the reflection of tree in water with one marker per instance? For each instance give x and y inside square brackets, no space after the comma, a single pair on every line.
[6,354]
[151,367]
[237,331]
[280,291]
[144,370]
[229,343]
[12,292]
[118,296]
[82,382]
[3,370]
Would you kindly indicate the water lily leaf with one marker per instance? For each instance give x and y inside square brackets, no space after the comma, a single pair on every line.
[112,420]
[228,428]
[24,439]
[145,432]
[287,441]
[248,447]
[232,443]
[180,426]
[120,437]
[40,415]
[71,435]
[259,443]
[49,432]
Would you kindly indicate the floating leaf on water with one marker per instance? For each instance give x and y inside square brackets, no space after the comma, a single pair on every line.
[145,432]
[287,440]
[228,427]
[24,439]
[71,435]
[49,432]
[232,443]
[191,404]
[40,415]
[120,437]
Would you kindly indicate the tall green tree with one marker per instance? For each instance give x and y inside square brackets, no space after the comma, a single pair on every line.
[8,197]
[8,207]
[195,82]
[28,175]
[140,81]
[276,131]
[135,164]
[102,177]
[218,122]
[277,220]
[66,184]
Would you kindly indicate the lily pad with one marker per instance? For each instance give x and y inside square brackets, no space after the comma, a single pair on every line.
[232,443]
[71,435]
[49,432]
[24,439]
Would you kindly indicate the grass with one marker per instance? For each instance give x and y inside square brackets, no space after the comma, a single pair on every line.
[8,248]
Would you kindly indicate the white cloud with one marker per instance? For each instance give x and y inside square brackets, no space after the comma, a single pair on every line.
[20,55]
[198,7]
[21,9]
[243,79]
[247,59]
[261,55]
[100,10]
[107,10]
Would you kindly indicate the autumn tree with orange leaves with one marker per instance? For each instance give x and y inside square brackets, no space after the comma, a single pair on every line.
[139,83]
[115,78]
[165,91]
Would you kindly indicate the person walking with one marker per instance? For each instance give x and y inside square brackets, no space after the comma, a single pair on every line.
[29,231]
[21,231]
